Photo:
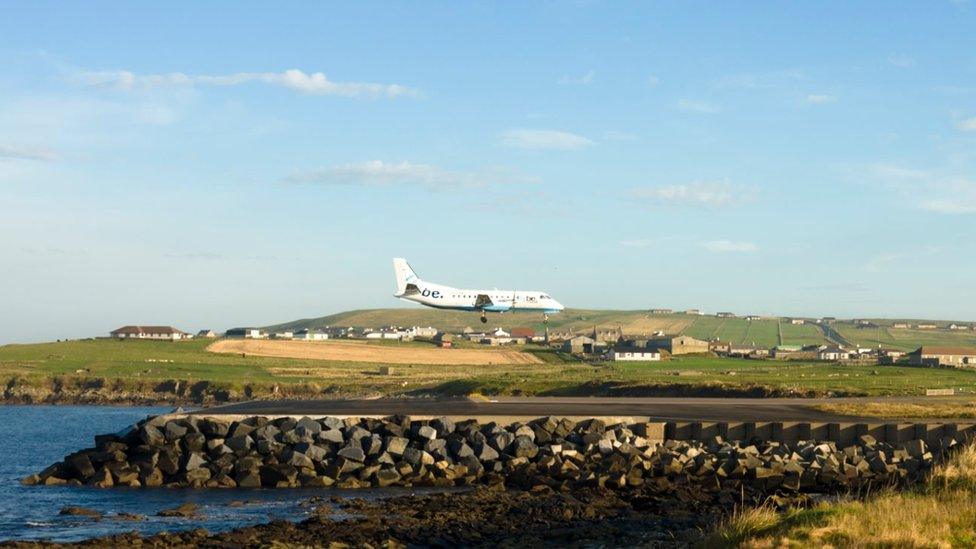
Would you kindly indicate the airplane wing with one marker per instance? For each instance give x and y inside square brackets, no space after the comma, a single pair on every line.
[483,301]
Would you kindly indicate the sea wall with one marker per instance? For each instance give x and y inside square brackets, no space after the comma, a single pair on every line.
[253,452]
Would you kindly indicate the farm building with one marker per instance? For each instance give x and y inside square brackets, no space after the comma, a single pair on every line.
[958,357]
[681,345]
[623,354]
[246,333]
[753,318]
[901,325]
[579,344]
[926,326]
[311,335]
[287,334]
[661,311]
[725,315]
[697,312]
[443,340]
[207,334]
[167,333]
[797,321]
[959,327]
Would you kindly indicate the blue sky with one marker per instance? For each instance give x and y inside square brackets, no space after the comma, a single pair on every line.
[228,164]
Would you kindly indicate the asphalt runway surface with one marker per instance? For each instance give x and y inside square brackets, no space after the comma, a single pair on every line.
[656,409]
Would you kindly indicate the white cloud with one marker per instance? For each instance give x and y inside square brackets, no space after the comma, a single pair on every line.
[544,140]
[819,98]
[713,194]
[703,107]
[27,153]
[310,83]
[380,173]
[967,125]
[927,190]
[901,60]
[585,79]
[729,246]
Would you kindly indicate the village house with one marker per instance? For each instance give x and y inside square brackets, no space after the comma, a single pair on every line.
[167,333]
[833,354]
[284,334]
[661,311]
[957,357]
[753,318]
[246,333]
[693,312]
[680,345]
[901,325]
[926,326]
[720,347]
[418,331]
[311,335]
[890,356]
[742,350]
[797,321]
[725,315]
[207,334]
[624,354]
[523,333]
[607,335]
[959,327]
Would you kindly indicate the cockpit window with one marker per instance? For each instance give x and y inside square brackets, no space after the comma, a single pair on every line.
[544,296]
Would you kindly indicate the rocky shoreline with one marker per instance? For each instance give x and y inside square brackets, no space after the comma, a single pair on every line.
[205,452]
[483,517]
[545,481]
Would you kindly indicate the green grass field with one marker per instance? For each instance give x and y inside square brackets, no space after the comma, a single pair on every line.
[147,362]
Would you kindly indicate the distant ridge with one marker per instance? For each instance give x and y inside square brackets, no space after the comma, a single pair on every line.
[766,332]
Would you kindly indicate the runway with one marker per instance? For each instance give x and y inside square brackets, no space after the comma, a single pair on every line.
[655,409]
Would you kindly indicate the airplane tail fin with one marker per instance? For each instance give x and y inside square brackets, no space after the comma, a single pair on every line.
[404,275]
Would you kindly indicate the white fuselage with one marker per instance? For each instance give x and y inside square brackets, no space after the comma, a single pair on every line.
[446,297]
[411,288]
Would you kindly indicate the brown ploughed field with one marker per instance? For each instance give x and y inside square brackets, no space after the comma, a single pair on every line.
[350,351]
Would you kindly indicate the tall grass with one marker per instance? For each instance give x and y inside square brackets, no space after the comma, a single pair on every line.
[940,512]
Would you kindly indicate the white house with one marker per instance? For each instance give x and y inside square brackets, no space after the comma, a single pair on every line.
[636,355]
[311,335]
[419,331]
[833,353]
[287,334]
[798,321]
[167,333]
[500,333]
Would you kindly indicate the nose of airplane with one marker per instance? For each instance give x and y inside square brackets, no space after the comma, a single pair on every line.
[557,305]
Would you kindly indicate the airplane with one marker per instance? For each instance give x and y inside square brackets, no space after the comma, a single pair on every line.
[411,288]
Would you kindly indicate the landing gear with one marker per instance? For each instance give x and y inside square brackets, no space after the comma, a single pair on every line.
[545,318]
[484,318]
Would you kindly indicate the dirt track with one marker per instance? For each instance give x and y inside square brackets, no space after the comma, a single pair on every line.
[365,352]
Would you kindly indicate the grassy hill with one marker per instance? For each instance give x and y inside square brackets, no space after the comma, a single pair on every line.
[765,332]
